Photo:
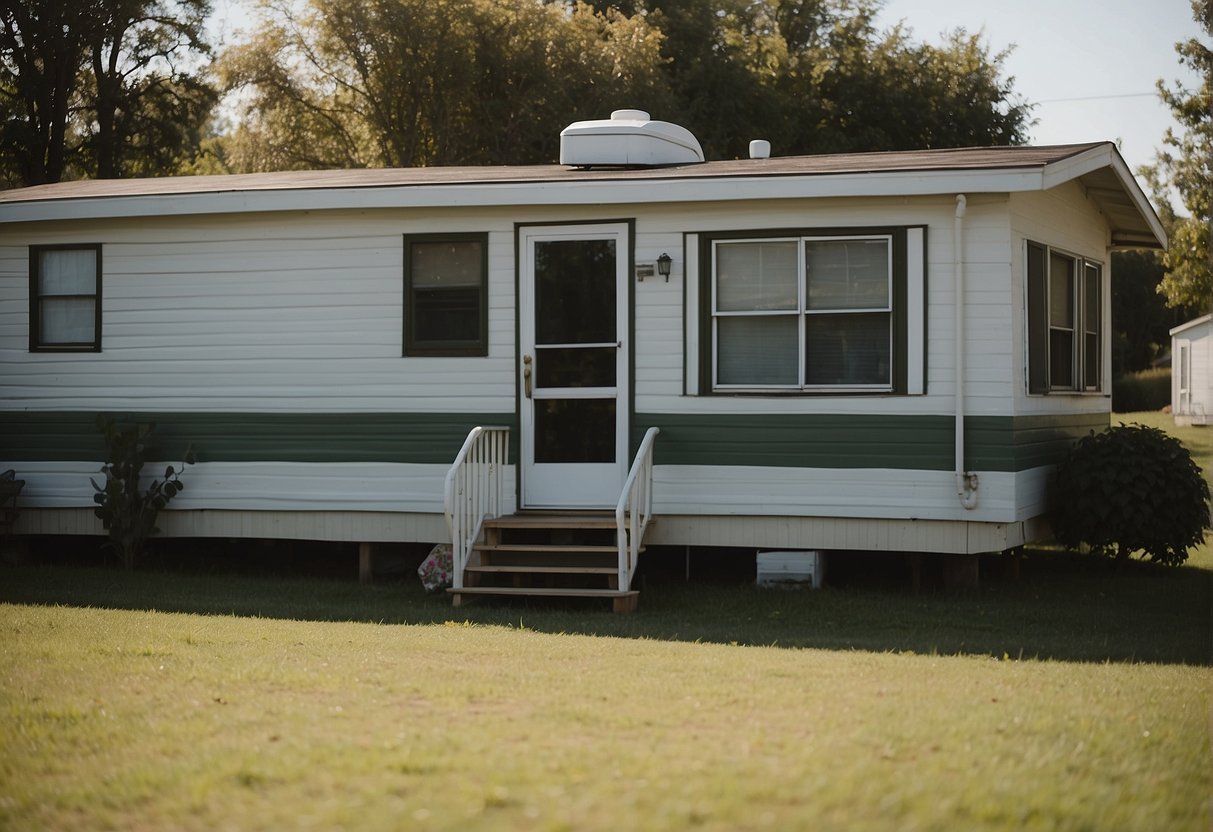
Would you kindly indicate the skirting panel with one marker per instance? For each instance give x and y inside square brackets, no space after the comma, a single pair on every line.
[844,533]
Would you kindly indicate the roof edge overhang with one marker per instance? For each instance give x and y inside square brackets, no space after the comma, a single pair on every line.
[695,184]
[1195,322]
[1082,165]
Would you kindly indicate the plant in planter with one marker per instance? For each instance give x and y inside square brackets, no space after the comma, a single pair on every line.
[1131,489]
[126,508]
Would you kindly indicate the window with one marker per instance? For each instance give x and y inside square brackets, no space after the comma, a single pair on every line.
[65,298]
[445,294]
[1065,304]
[810,313]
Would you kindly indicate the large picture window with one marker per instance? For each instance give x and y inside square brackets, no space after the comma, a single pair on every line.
[1065,303]
[65,298]
[445,294]
[807,313]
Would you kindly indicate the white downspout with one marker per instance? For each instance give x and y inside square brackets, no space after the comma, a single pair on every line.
[966,481]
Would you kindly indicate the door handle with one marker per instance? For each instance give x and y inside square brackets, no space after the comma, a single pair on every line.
[526,375]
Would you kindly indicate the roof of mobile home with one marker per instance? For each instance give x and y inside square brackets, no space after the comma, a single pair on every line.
[1097,167]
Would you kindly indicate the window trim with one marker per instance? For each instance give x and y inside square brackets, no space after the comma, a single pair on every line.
[1038,322]
[477,347]
[898,311]
[35,300]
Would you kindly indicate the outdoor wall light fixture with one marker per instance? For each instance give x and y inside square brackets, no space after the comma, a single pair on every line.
[663,266]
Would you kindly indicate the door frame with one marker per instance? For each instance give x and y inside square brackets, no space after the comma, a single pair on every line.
[524,234]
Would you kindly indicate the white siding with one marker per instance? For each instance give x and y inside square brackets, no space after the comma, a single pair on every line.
[1063,218]
[269,486]
[827,492]
[659,306]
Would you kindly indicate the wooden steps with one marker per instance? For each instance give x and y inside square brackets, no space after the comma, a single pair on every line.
[554,555]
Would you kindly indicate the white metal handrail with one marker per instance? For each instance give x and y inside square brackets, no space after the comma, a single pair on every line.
[474,490]
[635,508]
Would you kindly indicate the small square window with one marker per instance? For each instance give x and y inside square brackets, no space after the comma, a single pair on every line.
[445,295]
[65,298]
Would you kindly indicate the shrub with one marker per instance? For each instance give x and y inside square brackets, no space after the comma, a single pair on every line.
[1144,390]
[128,511]
[1131,489]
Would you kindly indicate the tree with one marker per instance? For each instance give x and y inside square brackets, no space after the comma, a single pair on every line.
[1141,319]
[342,83]
[357,83]
[1187,166]
[106,89]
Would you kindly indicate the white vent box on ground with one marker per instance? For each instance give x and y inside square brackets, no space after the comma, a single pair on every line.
[628,139]
[791,569]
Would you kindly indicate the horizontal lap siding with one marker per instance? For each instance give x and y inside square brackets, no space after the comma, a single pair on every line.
[261,486]
[1066,219]
[659,308]
[421,438]
[286,312]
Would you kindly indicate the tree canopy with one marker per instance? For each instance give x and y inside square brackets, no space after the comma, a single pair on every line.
[106,88]
[1186,164]
[340,83]
[114,88]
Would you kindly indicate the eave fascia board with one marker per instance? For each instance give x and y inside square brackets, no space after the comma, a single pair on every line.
[1107,156]
[532,193]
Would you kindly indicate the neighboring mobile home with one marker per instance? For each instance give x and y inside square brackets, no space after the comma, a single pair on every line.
[1192,372]
[881,351]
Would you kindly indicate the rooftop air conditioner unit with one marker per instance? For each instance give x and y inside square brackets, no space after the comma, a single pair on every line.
[628,139]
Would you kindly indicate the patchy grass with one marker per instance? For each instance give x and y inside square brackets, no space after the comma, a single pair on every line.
[150,720]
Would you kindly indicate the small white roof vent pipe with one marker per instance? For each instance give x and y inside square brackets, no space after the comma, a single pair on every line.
[760,149]
[628,139]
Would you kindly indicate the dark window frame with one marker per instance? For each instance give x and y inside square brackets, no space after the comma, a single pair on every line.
[476,347]
[35,300]
[898,343]
[1038,272]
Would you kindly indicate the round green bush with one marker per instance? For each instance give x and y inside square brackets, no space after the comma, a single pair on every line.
[1131,489]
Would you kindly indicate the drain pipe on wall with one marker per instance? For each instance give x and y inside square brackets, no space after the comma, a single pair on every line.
[966,481]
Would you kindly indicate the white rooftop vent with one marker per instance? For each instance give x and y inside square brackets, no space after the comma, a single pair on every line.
[628,139]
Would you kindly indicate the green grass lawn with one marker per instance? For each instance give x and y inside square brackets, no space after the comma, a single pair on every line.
[1076,697]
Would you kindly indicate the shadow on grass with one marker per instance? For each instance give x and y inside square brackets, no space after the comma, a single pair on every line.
[1062,607]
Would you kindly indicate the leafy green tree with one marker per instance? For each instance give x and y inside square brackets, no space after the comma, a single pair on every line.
[1141,319]
[107,88]
[358,83]
[1187,166]
[351,83]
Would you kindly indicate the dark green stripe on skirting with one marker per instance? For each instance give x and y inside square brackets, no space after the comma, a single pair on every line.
[254,437]
[992,443]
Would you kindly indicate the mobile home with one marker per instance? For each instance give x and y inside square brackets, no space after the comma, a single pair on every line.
[879,351]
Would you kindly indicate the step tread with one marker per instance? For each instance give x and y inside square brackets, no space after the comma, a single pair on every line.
[550,521]
[558,570]
[547,591]
[546,548]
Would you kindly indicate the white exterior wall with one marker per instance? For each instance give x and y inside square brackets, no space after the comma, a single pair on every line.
[302,312]
[1064,219]
[1199,409]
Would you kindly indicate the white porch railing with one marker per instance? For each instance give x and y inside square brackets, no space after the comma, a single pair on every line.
[635,508]
[474,490]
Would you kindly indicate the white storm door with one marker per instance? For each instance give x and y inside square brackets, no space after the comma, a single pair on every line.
[573,364]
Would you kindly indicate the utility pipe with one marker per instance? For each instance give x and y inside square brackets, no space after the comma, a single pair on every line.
[966,481]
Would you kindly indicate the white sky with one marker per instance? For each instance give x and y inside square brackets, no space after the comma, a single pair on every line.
[1064,49]
[1068,49]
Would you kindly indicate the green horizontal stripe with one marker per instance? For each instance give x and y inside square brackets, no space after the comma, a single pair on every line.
[992,443]
[421,438]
